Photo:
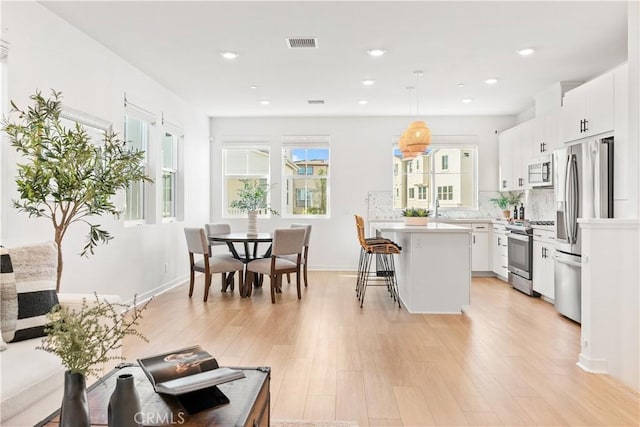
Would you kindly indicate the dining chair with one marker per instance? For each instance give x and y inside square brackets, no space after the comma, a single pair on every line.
[286,241]
[197,243]
[305,252]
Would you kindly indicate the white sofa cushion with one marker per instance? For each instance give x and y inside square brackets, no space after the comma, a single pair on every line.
[28,375]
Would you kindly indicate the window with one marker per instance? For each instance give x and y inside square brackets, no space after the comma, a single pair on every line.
[305,168]
[446,171]
[136,133]
[240,164]
[422,193]
[169,175]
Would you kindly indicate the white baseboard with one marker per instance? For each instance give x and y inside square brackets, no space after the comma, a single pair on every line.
[595,366]
[143,298]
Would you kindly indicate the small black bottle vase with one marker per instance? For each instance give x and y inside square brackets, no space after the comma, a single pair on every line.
[124,405]
[74,411]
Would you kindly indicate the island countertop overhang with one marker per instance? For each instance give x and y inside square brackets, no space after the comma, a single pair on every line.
[437,227]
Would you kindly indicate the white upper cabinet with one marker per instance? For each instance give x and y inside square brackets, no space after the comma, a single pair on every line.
[546,134]
[588,109]
[514,152]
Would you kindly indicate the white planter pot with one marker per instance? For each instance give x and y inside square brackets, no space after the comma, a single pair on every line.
[252,228]
[415,220]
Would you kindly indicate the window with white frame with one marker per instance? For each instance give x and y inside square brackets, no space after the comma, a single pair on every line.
[136,135]
[242,163]
[306,172]
[447,171]
[169,175]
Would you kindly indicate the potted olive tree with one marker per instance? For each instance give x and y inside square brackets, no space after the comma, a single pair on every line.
[66,177]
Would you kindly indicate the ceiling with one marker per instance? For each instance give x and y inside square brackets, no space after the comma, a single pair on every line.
[178,43]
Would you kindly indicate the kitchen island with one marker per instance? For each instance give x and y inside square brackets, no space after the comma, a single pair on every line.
[434,268]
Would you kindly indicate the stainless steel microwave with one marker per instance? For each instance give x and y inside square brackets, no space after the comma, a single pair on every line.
[540,171]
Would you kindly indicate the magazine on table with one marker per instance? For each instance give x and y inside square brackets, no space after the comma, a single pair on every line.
[185,370]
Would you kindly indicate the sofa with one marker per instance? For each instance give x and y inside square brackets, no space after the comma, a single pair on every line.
[32,380]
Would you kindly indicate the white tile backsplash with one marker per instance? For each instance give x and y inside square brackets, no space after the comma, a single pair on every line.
[539,205]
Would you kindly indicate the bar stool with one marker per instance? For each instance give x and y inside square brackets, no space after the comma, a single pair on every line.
[385,275]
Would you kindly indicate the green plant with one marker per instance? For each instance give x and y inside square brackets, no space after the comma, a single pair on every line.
[502,201]
[515,197]
[67,178]
[253,196]
[416,212]
[82,339]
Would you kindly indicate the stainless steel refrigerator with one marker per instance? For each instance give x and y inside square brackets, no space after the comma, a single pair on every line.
[584,189]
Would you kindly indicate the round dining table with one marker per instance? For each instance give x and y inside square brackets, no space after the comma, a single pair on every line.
[249,254]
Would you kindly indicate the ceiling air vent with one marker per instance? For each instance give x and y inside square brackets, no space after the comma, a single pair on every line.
[302,42]
[315,102]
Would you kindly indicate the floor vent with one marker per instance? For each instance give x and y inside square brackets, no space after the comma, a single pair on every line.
[315,102]
[302,42]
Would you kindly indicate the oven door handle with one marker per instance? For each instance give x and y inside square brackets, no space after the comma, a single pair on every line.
[516,236]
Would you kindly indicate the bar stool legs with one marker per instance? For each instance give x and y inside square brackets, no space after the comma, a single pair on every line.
[385,272]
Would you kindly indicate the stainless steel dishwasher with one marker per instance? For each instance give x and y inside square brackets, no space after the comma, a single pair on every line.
[568,285]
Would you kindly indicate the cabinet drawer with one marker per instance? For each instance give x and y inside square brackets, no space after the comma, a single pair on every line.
[547,236]
[479,228]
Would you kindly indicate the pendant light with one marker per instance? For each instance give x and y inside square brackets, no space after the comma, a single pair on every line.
[408,152]
[418,135]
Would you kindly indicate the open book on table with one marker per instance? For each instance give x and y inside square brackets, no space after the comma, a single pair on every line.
[185,370]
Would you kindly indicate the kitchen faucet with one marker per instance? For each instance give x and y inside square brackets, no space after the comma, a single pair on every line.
[437,206]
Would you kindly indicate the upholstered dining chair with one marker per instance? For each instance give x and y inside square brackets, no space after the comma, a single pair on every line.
[286,241]
[197,243]
[305,252]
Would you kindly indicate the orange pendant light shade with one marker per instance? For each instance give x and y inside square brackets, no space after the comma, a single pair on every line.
[418,134]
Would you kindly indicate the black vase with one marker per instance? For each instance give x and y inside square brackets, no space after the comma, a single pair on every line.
[124,405]
[74,411]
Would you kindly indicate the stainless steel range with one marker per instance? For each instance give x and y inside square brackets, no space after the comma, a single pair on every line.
[520,255]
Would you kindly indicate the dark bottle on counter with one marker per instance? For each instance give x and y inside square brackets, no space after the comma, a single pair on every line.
[521,210]
[515,211]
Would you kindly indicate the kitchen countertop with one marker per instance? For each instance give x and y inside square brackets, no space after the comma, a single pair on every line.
[431,227]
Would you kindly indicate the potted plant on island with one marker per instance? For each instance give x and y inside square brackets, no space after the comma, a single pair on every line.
[252,197]
[84,339]
[416,216]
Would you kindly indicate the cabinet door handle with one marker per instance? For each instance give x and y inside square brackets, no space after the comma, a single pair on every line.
[544,147]
[544,254]
[498,241]
[541,149]
[581,122]
[474,240]
[504,183]
[586,125]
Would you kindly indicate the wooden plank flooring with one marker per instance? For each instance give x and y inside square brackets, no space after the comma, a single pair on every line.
[509,360]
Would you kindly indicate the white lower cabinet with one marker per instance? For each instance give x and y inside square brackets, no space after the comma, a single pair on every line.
[480,248]
[499,251]
[543,264]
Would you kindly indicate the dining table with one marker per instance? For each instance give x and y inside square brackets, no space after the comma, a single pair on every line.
[250,242]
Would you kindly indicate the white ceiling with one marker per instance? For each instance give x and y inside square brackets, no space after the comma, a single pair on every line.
[179,43]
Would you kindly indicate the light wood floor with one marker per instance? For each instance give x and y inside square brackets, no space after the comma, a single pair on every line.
[509,360]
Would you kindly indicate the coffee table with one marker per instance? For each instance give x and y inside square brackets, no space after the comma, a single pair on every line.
[249,397]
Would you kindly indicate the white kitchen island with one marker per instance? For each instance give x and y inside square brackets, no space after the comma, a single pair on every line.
[434,268]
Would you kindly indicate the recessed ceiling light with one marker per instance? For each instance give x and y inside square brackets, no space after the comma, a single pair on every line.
[376,52]
[467,100]
[229,55]
[253,87]
[491,81]
[460,84]
[265,102]
[525,52]
[368,82]
[363,102]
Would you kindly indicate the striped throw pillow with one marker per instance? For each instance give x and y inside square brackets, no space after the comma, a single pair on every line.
[35,269]
[8,298]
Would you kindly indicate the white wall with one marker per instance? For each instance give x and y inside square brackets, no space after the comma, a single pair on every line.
[361,161]
[47,53]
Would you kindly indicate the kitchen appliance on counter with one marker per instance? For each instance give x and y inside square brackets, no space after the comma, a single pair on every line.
[584,189]
[540,171]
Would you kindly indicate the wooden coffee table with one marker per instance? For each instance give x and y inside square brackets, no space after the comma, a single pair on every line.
[249,397]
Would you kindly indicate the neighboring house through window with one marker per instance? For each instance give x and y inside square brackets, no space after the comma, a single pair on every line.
[306,172]
[239,162]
